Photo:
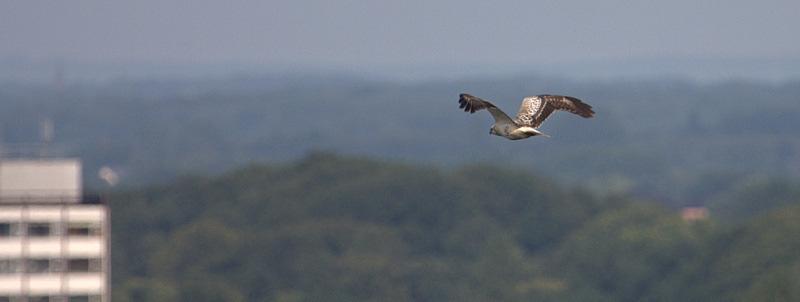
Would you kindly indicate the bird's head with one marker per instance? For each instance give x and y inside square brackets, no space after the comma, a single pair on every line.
[493,131]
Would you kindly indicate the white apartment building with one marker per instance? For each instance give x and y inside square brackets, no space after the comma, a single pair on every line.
[54,241]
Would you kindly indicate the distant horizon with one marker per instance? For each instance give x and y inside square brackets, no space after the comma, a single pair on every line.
[696,69]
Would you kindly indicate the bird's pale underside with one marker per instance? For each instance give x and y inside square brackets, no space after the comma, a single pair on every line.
[532,113]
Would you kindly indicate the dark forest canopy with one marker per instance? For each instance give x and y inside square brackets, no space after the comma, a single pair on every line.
[337,228]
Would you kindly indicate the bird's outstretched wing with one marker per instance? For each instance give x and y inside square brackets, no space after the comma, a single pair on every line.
[535,109]
[471,104]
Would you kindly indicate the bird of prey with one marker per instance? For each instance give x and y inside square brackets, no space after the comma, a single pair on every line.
[532,113]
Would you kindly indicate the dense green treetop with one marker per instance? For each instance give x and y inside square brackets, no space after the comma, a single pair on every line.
[332,228]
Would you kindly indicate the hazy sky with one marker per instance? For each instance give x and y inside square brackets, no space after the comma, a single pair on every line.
[403,33]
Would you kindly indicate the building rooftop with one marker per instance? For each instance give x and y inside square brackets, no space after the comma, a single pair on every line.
[42,181]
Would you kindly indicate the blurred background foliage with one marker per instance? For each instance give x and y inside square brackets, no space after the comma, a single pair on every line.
[334,228]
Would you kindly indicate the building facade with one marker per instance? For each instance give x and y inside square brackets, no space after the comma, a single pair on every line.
[54,240]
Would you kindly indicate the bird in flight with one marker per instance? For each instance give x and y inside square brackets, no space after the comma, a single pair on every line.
[532,113]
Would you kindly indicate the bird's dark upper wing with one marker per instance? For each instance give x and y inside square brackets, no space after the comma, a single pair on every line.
[535,109]
[471,104]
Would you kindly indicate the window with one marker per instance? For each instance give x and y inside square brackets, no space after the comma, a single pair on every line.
[58,265]
[9,229]
[39,299]
[5,230]
[78,298]
[84,265]
[38,265]
[78,265]
[39,229]
[93,298]
[9,266]
[83,229]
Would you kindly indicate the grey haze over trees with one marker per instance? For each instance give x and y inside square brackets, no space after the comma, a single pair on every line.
[670,140]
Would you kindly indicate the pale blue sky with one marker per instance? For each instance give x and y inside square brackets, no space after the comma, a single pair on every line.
[357,35]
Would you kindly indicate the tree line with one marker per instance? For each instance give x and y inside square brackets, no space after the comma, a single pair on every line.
[335,228]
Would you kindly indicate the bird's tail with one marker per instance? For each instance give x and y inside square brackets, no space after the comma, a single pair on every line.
[540,133]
